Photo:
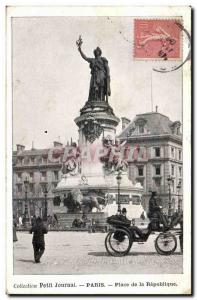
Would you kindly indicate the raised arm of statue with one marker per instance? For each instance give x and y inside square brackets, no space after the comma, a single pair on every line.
[79,42]
[83,55]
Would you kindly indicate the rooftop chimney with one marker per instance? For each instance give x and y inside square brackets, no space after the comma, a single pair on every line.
[156,108]
[20,148]
[125,122]
[32,146]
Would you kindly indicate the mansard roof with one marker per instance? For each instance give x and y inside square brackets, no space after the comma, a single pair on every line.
[154,124]
[32,152]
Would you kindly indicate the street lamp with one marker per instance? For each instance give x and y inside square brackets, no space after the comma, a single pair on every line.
[45,202]
[179,198]
[26,217]
[169,179]
[118,178]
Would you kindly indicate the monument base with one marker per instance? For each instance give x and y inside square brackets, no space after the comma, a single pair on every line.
[105,187]
[98,219]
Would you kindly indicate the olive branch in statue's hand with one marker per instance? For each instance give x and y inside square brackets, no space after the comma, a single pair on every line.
[79,42]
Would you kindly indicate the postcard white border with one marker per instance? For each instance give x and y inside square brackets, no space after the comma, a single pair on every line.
[183,280]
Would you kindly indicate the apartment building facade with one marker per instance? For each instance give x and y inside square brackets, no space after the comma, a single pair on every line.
[156,162]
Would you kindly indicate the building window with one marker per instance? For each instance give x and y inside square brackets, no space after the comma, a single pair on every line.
[43,175]
[172,152]
[140,171]
[140,125]
[173,186]
[44,160]
[141,128]
[31,175]
[31,188]
[178,131]
[56,175]
[158,170]
[20,161]
[172,170]
[20,207]
[157,182]
[180,172]
[20,188]
[179,154]
[19,177]
[32,160]
[26,160]
[157,152]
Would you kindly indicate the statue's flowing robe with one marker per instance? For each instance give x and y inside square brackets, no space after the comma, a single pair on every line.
[100,79]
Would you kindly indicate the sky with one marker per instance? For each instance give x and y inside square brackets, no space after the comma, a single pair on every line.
[51,80]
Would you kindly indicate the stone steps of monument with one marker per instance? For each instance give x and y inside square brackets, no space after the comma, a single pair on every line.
[66,224]
[68,219]
[65,220]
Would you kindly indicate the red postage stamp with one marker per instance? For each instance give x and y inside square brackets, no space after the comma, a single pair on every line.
[157,39]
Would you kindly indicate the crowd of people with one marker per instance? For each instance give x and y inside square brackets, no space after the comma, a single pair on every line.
[20,221]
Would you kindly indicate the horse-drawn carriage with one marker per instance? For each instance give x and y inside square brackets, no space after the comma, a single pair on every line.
[122,235]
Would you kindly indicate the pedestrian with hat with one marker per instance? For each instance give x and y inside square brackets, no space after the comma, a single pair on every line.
[156,210]
[38,230]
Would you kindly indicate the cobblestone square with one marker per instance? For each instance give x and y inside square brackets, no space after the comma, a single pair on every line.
[85,253]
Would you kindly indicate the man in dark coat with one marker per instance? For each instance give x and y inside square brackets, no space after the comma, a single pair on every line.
[155,209]
[38,230]
[137,231]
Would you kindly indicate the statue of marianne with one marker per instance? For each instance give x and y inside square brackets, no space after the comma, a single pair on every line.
[100,74]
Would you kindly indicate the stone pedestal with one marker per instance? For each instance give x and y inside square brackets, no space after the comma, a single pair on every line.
[96,123]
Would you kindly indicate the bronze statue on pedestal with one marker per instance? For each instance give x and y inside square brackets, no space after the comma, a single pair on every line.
[100,74]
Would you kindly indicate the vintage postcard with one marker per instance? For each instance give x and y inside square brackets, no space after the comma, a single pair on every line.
[98,150]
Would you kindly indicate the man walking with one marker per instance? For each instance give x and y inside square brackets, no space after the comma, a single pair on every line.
[38,230]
